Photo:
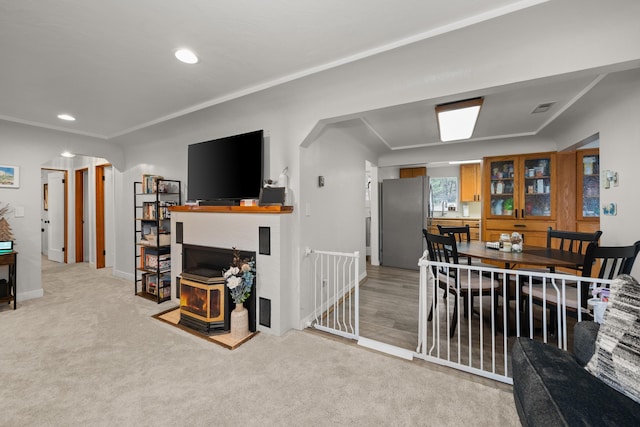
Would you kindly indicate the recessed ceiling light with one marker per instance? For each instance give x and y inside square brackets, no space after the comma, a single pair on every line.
[186,56]
[67,154]
[67,117]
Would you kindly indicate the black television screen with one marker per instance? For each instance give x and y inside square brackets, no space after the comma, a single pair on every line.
[226,169]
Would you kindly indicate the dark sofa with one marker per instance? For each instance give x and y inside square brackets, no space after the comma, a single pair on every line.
[552,388]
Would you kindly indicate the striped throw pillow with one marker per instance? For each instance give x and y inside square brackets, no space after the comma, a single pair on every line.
[616,360]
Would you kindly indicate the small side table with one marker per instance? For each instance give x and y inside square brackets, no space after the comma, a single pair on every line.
[10,259]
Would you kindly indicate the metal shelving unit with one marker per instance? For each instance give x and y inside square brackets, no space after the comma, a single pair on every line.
[153,196]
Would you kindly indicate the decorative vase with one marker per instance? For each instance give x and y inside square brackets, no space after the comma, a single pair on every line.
[239,322]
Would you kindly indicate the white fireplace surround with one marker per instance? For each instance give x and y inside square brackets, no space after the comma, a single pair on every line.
[274,279]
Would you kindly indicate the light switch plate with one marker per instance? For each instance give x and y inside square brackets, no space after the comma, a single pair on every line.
[19,211]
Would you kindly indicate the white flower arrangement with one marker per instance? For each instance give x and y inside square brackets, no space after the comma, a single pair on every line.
[240,277]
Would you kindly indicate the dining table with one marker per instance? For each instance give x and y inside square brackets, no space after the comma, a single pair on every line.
[530,256]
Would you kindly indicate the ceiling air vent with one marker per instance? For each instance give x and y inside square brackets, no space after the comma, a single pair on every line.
[542,108]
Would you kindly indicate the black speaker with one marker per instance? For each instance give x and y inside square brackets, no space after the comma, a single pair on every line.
[179,232]
[265,312]
[264,240]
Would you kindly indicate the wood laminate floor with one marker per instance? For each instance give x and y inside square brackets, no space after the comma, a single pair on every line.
[389,313]
[389,306]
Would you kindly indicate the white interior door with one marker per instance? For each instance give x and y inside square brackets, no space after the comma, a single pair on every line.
[56,217]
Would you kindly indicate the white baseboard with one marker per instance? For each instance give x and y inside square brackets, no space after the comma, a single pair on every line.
[23,296]
[123,275]
[386,348]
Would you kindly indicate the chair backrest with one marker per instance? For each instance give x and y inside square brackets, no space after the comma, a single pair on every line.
[571,241]
[614,260]
[442,248]
[610,261]
[461,233]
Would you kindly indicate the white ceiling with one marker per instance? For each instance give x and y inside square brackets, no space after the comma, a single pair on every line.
[111,65]
[507,112]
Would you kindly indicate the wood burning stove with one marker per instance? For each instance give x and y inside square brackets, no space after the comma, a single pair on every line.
[202,304]
[205,301]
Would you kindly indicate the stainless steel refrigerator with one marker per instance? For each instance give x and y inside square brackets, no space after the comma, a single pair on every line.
[405,212]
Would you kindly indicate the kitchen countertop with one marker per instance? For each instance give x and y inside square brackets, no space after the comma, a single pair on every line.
[454,216]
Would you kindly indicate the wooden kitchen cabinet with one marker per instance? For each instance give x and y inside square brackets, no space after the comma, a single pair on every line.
[534,232]
[413,172]
[520,195]
[474,225]
[588,185]
[470,182]
[520,187]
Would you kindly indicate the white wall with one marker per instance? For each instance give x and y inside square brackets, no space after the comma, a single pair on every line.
[333,216]
[612,110]
[30,148]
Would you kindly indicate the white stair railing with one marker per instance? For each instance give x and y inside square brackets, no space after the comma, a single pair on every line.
[481,343]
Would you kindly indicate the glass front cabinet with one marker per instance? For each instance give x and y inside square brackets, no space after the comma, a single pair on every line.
[520,187]
[588,176]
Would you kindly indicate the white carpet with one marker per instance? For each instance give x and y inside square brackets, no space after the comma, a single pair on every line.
[88,353]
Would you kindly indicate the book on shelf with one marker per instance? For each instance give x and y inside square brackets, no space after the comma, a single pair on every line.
[151,236]
[155,211]
[150,282]
[157,259]
[149,210]
[152,286]
[150,183]
[164,211]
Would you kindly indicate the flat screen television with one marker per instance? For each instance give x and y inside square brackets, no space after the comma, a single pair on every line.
[226,169]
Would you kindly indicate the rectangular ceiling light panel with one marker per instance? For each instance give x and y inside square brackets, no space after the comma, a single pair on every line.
[457,120]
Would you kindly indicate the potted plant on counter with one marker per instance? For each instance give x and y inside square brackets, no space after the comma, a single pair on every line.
[507,207]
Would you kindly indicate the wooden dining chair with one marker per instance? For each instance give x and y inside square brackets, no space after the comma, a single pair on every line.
[567,241]
[571,241]
[456,280]
[602,262]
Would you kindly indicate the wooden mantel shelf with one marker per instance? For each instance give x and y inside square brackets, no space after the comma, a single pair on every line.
[235,209]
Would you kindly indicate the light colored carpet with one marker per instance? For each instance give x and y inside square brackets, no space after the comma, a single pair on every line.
[90,354]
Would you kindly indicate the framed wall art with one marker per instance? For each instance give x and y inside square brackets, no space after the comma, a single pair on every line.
[9,176]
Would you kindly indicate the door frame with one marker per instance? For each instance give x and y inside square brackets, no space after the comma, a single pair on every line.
[79,212]
[66,200]
[101,227]
[100,224]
